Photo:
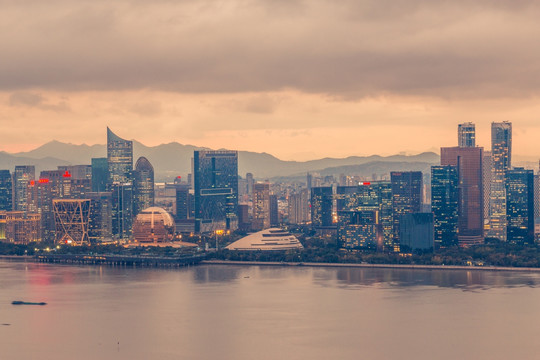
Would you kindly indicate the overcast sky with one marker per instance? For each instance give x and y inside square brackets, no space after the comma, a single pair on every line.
[297,79]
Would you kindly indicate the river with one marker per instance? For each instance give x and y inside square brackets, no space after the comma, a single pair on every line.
[266,312]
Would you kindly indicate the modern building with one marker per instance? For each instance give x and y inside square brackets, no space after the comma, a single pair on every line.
[153,225]
[122,210]
[21,178]
[416,231]
[406,197]
[6,191]
[274,211]
[40,201]
[468,161]
[119,158]
[184,202]
[486,179]
[100,174]
[100,222]
[21,228]
[72,219]
[216,190]
[261,207]
[501,154]
[520,206]
[250,181]
[273,239]
[298,207]
[359,229]
[444,205]
[79,172]
[321,206]
[466,135]
[143,185]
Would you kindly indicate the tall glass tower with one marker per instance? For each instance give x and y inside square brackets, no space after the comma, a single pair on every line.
[406,196]
[444,205]
[466,135]
[6,201]
[21,179]
[501,162]
[119,158]
[520,206]
[143,185]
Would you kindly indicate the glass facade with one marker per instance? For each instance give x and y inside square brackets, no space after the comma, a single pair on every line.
[406,196]
[122,210]
[466,135]
[6,188]
[359,229]
[143,185]
[444,205]
[119,158]
[520,206]
[21,178]
[501,155]
[100,174]
[321,206]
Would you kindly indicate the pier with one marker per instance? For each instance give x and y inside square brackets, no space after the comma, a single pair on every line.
[120,260]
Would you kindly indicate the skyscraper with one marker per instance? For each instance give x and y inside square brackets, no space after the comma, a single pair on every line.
[274,211]
[468,161]
[520,206]
[501,153]
[100,217]
[216,189]
[466,135]
[298,207]
[21,178]
[100,174]
[406,196]
[40,200]
[122,210]
[119,158]
[6,191]
[143,185]
[359,229]
[261,206]
[321,206]
[444,205]
[486,178]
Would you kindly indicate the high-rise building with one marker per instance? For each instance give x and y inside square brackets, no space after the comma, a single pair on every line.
[250,182]
[122,210]
[79,172]
[406,196]
[359,229]
[274,211]
[21,228]
[40,201]
[21,178]
[520,206]
[216,189]
[444,204]
[501,154]
[537,196]
[321,206]
[100,217]
[486,178]
[143,185]
[100,174]
[261,206]
[468,161]
[6,191]
[376,196]
[71,217]
[416,231]
[183,202]
[298,207]
[119,158]
[466,135]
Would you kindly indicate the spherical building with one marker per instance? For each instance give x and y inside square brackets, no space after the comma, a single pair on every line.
[153,225]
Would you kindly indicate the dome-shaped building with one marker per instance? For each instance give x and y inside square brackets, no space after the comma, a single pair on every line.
[153,224]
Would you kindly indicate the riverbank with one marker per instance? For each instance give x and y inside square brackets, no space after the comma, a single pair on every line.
[372,266]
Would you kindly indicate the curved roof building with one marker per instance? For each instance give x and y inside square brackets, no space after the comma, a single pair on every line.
[269,239]
[143,185]
[153,225]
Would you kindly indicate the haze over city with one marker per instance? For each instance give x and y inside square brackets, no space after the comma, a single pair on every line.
[300,80]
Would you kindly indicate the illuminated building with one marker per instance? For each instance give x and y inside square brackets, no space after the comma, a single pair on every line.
[520,206]
[261,206]
[501,154]
[374,196]
[321,206]
[468,161]
[416,231]
[78,172]
[21,178]
[21,228]
[406,197]
[466,135]
[486,179]
[6,191]
[72,219]
[122,210]
[3,225]
[153,225]
[444,205]
[143,185]
[359,229]
[100,174]
[216,190]
[100,217]
[40,196]
[119,158]
[273,239]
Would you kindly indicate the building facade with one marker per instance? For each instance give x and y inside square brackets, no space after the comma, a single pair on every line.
[444,205]
[406,197]
[520,206]
[119,158]
[143,185]
[466,135]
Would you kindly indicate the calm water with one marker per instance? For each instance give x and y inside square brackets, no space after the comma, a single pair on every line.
[229,312]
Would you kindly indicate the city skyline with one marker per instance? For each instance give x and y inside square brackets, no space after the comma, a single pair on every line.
[305,79]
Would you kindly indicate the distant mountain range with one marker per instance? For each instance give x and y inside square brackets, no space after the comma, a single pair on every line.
[173,159]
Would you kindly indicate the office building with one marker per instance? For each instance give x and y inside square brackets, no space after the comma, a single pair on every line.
[22,228]
[274,211]
[444,204]
[501,154]
[261,206]
[466,135]
[216,190]
[406,197]
[6,191]
[119,158]
[122,210]
[359,229]
[416,232]
[100,174]
[100,217]
[143,185]
[40,201]
[298,207]
[468,161]
[321,206]
[184,202]
[21,178]
[520,206]
[71,217]
[486,179]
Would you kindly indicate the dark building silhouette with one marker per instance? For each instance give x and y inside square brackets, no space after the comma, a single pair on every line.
[468,161]
[444,204]
[520,206]
[119,158]
[416,231]
[274,212]
[6,191]
[321,206]
[406,197]
[216,190]
[100,174]
[143,185]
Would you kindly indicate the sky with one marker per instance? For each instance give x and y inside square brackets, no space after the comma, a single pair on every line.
[297,79]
